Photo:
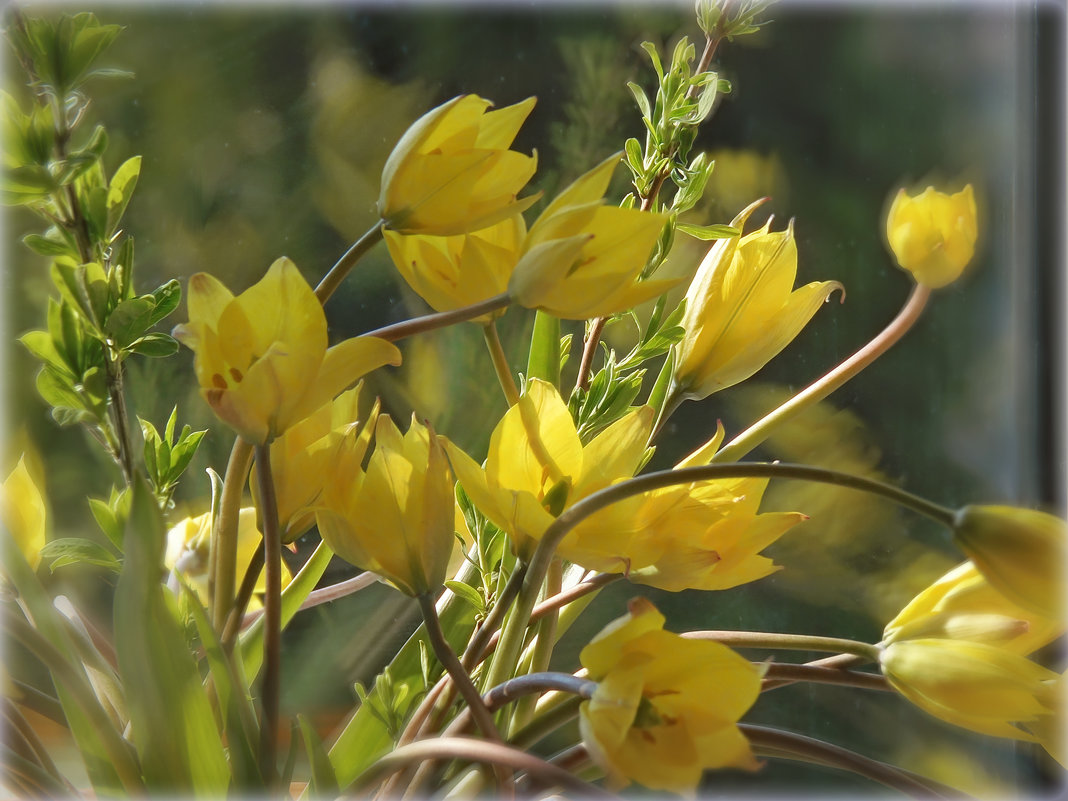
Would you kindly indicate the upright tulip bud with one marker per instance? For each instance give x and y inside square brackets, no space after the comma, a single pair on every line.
[933,234]
[452,171]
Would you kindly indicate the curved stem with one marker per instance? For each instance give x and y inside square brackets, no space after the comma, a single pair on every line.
[500,363]
[224,540]
[473,653]
[272,613]
[473,751]
[431,322]
[475,705]
[537,683]
[325,595]
[332,280]
[841,662]
[807,749]
[791,642]
[544,640]
[589,350]
[777,673]
[237,619]
[548,721]
[822,387]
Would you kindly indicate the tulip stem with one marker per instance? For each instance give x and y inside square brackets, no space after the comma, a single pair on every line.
[236,621]
[589,350]
[788,745]
[789,642]
[777,673]
[431,322]
[822,387]
[474,751]
[272,612]
[500,363]
[224,541]
[545,639]
[462,681]
[332,280]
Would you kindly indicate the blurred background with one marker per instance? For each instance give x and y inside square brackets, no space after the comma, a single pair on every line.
[264,130]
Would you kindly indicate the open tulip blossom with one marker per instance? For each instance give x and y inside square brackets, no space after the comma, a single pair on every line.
[327,602]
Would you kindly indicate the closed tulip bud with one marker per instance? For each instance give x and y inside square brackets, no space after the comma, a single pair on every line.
[977,686]
[262,360]
[933,234]
[741,309]
[1021,552]
[22,512]
[452,171]
[396,518]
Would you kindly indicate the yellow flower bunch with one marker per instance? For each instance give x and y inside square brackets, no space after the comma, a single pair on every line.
[665,708]
[262,359]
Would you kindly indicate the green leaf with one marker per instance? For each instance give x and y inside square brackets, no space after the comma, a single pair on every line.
[111,515]
[27,184]
[650,48]
[74,550]
[57,391]
[323,782]
[155,346]
[41,345]
[707,232]
[468,594]
[640,98]
[635,159]
[95,211]
[171,720]
[167,298]
[129,320]
[544,359]
[120,191]
[66,279]
[47,246]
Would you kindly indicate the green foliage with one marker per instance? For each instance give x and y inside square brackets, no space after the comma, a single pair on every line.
[166,458]
[61,52]
[389,702]
[609,396]
[77,550]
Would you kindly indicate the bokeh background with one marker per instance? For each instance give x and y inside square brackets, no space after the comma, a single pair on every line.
[264,130]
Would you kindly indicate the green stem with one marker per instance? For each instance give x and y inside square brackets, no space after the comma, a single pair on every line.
[432,322]
[777,672]
[332,280]
[589,350]
[547,721]
[272,614]
[789,642]
[462,681]
[500,363]
[473,751]
[474,652]
[784,744]
[224,540]
[545,639]
[77,685]
[236,620]
[822,387]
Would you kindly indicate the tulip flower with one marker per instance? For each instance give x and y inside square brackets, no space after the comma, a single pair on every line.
[188,551]
[706,535]
[741,309]
[963,605]
[452,171]
[22,512]
[454,271]
[665,708]
[582,259]
[396,518]
[303,458]
[1021,552]
[261,357]
[975,685]
[537,466]
[933,234]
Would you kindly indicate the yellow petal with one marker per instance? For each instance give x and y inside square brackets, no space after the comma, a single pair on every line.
[22,512]
[342,366]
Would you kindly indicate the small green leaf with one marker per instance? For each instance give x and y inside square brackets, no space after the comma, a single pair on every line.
[46,246]
[167,298]
[650,48]
[155,346]
[57,391]
[75,550]
[707,232]
[128,321]
[468,594]
[120,191]
[640,98]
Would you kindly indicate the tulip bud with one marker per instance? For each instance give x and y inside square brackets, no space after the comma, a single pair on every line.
[1021,552]
[933,234]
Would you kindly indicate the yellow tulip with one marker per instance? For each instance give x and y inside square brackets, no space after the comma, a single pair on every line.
[188,551]
[933,234]
[975,685]
[452,171]
[741,309]
[22,512]
[304,456]
[261,357]
[706,535]
[453,271]
[582,259]
[1021,552]
[536,465]
[396,518]
[963,605]
[665,708]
